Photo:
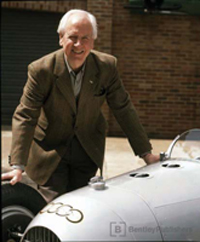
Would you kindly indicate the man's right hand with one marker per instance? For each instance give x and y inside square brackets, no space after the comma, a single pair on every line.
[14,176]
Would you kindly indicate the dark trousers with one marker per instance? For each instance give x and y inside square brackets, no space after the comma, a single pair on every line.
[74,171]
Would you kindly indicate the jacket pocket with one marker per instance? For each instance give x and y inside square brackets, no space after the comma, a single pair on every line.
[100,92]
[40,130]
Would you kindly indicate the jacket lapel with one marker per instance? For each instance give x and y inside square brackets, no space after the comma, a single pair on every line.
[63,80]
[90,81]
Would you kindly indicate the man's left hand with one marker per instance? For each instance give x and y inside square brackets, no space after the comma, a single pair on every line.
[151,158]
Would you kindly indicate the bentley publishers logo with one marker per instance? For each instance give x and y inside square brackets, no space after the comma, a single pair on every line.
[121,229]
[117,229]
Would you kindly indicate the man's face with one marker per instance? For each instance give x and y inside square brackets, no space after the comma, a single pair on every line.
[77,40]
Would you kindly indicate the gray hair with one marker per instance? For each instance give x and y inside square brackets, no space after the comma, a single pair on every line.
[65,18]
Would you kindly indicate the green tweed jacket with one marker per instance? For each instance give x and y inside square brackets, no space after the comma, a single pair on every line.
[47,117]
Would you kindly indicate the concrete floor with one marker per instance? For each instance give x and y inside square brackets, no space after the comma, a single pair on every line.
[119,157]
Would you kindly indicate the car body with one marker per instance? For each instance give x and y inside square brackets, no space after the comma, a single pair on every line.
[158,202]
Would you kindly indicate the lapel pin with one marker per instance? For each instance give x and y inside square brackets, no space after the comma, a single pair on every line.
[91,82]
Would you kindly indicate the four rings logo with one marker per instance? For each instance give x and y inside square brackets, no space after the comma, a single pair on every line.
[64,210]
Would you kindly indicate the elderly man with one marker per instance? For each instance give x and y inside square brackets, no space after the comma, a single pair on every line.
[58,127]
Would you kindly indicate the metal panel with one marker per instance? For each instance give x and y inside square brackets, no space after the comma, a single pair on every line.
[190,7]
[25,36]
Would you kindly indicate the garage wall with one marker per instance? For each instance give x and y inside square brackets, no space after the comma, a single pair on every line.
[159,62]
[24,39]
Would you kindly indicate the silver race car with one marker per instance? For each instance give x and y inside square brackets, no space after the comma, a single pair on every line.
[159,202]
